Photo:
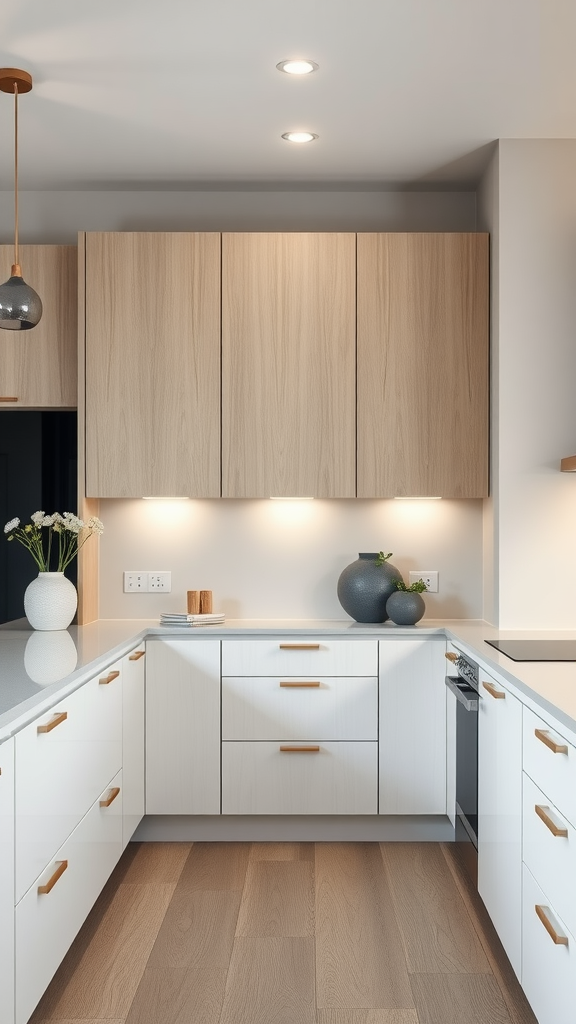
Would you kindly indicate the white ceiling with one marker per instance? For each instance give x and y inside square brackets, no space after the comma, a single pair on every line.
[180,93]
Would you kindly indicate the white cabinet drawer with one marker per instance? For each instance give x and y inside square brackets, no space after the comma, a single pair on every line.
[7,882]
[300,656]
[46,923]
[549,853]
[259,778]
[550,761]
[548,968]
[293,708]
[60,772]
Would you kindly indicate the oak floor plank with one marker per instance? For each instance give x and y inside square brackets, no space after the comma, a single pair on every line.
[437,933]
[84,1020]
[145,863]
[367,1017]
[270,981]
[458,999]
[181,995]
[518,1007]
[359,957]
[109,970]
[215,866]
[197,931]
[282,851]
[278,899]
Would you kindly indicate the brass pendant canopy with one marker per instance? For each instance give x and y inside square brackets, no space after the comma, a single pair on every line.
[20,305]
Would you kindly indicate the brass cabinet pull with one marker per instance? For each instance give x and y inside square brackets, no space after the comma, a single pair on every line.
[108,679]
[498,694]
[56,720]
[299,750]
[546,739]
[299,647]
[111,797]
[451,656]
[7,398]
[43,890]
[555,830]
[303,685]
[558,938]
[136,655]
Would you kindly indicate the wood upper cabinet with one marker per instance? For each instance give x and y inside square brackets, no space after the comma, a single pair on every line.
[423,365]
[152,311]
[39,368]
[288,361]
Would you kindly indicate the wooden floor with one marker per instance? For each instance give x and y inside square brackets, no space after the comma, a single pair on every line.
[287,933]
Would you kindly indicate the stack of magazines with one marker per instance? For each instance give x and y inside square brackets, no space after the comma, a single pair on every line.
[182,619]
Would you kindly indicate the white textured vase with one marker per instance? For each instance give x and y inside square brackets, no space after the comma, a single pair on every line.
[50,601]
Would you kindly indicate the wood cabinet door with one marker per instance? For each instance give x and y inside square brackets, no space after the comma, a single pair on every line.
[423,365]
[288,365]
[500,811]
[39,368]
[152,364]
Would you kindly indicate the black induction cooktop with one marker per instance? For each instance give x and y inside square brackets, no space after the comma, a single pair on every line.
[536,650]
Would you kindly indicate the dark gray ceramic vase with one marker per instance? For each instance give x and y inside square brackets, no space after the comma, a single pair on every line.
[405,607]
[364,587]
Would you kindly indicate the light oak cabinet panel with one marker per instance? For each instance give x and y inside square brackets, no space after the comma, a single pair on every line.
[40,367]
[152,364]
[423,365]
[288,361]
[7,882]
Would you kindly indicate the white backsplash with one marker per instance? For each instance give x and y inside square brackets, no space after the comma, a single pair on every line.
[282,559]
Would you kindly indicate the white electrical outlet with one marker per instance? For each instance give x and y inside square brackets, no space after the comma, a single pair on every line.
[429,576]
[160,581]
[136,582]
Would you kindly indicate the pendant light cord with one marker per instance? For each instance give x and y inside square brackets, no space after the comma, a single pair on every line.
[16,173]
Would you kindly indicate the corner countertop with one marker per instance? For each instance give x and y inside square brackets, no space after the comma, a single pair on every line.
[37,669]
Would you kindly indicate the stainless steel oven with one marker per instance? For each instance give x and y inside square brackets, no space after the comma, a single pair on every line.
[464,685]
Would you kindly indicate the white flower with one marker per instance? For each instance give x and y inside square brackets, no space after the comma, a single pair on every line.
[47,521]
[37,518]
[72,522]
[95,525]
[11,525]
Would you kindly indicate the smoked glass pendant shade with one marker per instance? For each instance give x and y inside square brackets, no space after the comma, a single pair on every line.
[20,305]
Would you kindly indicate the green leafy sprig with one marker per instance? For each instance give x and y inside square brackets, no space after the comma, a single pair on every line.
[415,588]
[381,558]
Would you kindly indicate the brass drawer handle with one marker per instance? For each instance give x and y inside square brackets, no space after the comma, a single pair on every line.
[498,694]
[299,686]
[108,679]
[555,830]
[299,750]
[43,890]
[451,656]
[56,720]
[136,655]
[111,797]
[299,647]
[558,938]
[7,398]
[546,739]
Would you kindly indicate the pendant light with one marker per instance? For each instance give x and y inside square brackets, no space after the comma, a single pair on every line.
[20,306]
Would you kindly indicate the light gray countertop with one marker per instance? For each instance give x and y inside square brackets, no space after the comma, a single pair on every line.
[37,669]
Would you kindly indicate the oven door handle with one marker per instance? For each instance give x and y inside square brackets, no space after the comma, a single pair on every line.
[470,703]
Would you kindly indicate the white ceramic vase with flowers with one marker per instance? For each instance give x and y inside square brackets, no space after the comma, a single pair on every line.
[50,600]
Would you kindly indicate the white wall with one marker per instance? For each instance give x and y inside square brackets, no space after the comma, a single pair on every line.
[271,559]
[535,357]
[268,559]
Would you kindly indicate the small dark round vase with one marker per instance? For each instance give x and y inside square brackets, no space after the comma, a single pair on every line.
[405,607]
[364,588]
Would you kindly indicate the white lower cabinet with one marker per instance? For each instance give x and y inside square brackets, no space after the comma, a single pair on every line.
[548,957]
[133,698]
[500,811]
[412,726]
[53,909]
[299,778]
[549,845]
[183,727]
[7,882]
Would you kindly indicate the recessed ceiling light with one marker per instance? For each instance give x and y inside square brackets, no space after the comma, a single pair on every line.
[297,67]
[299,136]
